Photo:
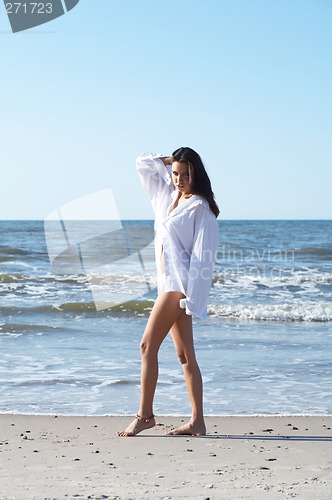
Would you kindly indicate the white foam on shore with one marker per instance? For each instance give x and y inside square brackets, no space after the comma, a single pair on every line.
[274,312]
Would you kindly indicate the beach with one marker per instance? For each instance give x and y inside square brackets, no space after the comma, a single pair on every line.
[57,457]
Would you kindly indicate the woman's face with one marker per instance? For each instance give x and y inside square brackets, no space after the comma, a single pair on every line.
[180,177]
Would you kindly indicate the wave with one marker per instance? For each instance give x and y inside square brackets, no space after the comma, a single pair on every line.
[51,278]
[310,312]
[50,381]
[270,278]
[11,277]
[73,381]
[107,383]
[275,312]
[314,250]
[133,306]
[13,251]
[104,278]
[25,327]
[266,276]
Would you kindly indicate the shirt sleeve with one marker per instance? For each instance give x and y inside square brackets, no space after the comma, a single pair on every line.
[155,177]
[206,238]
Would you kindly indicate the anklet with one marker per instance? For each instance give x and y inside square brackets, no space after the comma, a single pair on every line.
[145,420]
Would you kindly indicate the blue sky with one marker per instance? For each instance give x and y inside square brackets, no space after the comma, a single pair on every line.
[247,83]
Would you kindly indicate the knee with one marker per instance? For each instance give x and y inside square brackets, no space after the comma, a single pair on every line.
[187,359]
[182,357]
[147,348]
[143,347]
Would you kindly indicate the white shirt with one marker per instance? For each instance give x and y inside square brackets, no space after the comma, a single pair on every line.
[188,234]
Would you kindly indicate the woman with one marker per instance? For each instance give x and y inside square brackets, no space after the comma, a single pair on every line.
[186,244]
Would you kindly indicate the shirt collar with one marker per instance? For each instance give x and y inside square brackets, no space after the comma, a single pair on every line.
[194,200]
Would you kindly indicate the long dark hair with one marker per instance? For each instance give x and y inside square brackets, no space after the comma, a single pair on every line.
[198,178]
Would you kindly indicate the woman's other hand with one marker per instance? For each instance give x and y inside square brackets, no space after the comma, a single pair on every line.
[167,160]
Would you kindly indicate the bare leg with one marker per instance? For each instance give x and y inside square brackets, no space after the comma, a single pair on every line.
[184,345]
[163,315]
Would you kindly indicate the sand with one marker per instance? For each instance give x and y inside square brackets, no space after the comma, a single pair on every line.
[56,457]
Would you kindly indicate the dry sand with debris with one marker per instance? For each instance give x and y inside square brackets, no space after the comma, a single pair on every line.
[57,457]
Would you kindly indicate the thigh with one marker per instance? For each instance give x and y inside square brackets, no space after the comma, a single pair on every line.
[164,313]
[182,335]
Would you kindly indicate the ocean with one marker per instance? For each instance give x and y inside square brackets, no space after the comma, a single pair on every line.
[75,299]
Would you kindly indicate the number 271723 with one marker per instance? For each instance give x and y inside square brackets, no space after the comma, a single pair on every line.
[29,8]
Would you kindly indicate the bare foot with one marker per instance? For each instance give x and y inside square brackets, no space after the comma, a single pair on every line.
[191,429]
[139,424]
